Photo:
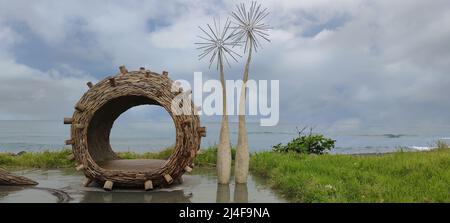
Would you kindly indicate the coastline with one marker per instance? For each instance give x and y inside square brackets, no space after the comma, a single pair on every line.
[403,176]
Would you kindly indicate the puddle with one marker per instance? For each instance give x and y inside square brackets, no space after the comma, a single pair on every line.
[201,186]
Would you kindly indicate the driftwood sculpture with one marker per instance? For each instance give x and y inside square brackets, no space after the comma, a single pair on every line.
[103,103]
[14,180]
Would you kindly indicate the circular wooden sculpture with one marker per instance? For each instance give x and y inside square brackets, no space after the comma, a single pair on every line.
[103,103]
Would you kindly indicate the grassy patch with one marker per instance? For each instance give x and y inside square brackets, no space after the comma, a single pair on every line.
[45,159]
[58,159]
[163,154]
[397,177]
[206,157]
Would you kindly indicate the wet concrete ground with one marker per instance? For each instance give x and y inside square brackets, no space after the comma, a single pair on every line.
[201,186]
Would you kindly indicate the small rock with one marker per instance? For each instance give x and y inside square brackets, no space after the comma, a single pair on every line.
[21,153]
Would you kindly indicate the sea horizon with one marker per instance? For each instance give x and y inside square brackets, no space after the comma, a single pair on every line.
[143,136]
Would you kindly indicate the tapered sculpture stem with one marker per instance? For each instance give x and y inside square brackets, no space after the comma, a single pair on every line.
[224,148]
[242,155]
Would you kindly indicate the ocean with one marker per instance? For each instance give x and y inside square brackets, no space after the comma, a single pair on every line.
[16,136]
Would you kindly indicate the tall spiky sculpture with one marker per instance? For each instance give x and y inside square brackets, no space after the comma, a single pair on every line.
[218,43]
[249,29]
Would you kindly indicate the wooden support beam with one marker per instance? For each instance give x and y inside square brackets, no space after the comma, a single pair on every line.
[202,131]
[71,157]
[87,182]
[79,126]
[90,84]
[168,178]
[68,121]
[148,185]
[79,167]
[188,169]
[123,69]
[80,108]
[108,185]
[69,142]
[112,81]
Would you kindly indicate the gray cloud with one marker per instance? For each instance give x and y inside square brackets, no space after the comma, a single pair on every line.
[346,65]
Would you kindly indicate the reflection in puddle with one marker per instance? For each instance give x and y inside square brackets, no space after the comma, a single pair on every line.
[223,193]
[241,193]
[134,197]
[201,186]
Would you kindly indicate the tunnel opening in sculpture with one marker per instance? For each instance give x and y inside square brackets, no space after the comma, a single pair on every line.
[99,135]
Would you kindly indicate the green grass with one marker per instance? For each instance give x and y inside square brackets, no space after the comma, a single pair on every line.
[164,154]
[58,159]
[206,157]
[397,177]
[45,159]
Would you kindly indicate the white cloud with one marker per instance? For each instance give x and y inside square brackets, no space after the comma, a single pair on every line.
[370,61]
[26,93]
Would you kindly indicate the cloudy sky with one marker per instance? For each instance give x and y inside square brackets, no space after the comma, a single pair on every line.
[341,64]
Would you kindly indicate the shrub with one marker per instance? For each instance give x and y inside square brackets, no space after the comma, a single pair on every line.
[307,144]
[441,144]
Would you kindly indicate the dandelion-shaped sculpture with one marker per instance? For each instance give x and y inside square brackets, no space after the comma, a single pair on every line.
[249,29]
[217,42]
[250,26]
